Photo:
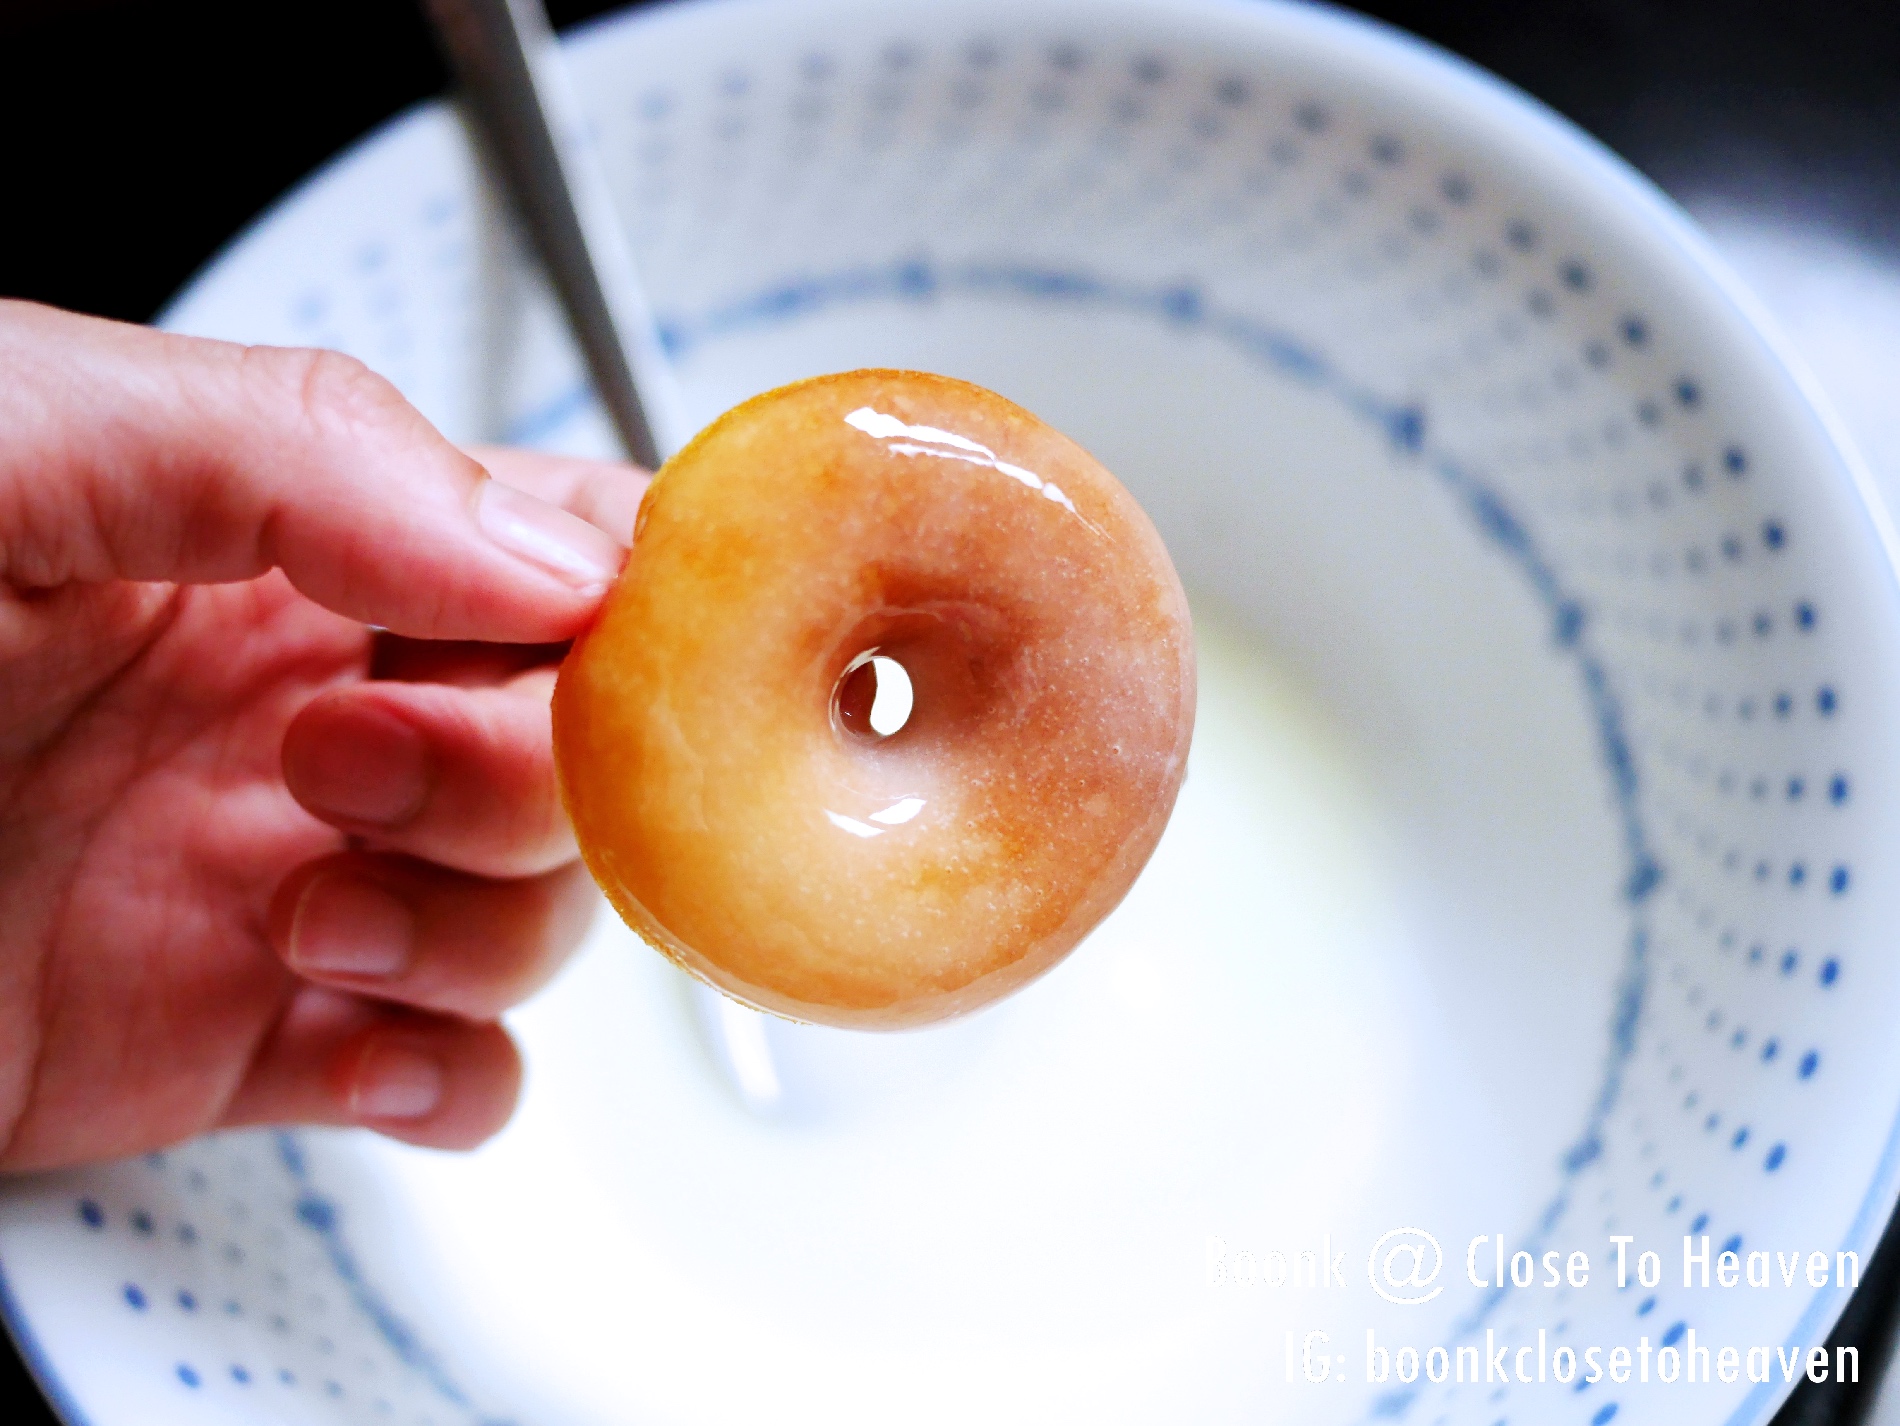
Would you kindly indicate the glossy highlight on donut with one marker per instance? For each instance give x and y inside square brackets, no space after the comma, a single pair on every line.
[712,731]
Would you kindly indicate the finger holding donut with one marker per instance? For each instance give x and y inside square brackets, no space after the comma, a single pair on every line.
[397,929]
[202,544]
[459,776]
[464,893]
[342,1059]
[606,494]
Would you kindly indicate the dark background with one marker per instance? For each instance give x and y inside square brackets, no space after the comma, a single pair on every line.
[139,135]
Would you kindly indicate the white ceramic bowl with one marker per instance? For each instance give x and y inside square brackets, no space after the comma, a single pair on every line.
[1532,872]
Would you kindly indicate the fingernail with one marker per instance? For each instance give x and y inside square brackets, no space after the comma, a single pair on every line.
[368,766]
[548,538]
[396,1082]
[344,925]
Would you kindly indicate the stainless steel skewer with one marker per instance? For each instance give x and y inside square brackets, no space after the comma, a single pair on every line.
[508,63]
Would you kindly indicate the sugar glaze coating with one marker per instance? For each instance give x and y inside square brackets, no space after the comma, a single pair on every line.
[710,735]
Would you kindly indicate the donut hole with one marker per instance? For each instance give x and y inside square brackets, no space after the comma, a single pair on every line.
[875,696]
[935,669]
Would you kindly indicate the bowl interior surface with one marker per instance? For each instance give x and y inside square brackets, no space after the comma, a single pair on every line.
[1528,880]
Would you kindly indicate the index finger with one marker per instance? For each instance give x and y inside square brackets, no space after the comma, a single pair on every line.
[606,494]
[139,455]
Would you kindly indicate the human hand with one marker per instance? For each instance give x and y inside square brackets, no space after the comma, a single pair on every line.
[258,862]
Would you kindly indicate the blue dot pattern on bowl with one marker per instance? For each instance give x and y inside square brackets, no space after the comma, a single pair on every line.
[1670,539]
[233,1228]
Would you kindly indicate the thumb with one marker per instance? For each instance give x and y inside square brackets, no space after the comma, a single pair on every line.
[127,453]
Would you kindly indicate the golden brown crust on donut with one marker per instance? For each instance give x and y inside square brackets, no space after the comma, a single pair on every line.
[735,822]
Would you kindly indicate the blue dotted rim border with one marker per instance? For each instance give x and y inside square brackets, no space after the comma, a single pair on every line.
[1502,108]
[321,1216]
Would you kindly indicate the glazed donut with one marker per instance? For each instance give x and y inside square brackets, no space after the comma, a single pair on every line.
[711,728]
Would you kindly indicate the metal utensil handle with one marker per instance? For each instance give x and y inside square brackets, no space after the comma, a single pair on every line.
[506,59]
